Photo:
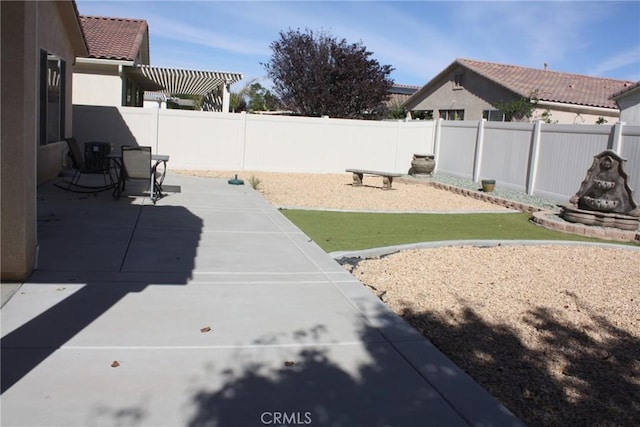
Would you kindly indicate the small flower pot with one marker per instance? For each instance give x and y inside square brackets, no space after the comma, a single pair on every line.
[488,185]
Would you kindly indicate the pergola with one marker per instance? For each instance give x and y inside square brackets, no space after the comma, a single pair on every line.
[212,85]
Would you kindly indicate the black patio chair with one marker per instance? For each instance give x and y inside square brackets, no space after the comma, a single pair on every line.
[98,164]
[136,166]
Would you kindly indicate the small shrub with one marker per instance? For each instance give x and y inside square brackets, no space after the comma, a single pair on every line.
[254,181]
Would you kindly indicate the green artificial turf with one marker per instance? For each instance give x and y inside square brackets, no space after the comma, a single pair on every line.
[345,231]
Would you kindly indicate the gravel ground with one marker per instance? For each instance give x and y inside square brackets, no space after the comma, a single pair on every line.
[551,331]
[499,191]
[334,191]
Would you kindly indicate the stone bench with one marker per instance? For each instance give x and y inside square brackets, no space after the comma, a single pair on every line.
[387,177]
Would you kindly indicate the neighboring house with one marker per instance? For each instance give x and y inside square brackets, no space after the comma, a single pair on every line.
[109,75]
[472,90]
[39,43]
[117,71]
[398,94]
[628,101]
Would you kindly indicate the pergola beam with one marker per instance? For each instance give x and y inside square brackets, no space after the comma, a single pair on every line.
[191,82]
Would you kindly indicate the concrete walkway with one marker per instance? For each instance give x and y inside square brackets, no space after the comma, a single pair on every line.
[210,309]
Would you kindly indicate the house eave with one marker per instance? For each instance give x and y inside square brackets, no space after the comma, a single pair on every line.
[104,61]
[577,108]
[69,13]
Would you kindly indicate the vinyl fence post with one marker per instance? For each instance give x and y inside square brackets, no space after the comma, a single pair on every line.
[617,138]
[436,144]
[156,129]
[479,143]
[327,164]
[243,118]
[534,157]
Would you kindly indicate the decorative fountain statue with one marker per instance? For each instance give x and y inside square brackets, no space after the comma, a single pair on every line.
[605,197]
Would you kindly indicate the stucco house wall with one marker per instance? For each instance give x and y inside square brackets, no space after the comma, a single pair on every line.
[629,103]
[478,86]
[54,38]
[477,94]
[569,115]
[474,95]
[97,85]
[26,28]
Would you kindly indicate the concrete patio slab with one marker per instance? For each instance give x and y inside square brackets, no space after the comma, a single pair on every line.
[141,315]
[218,311]
[345,385]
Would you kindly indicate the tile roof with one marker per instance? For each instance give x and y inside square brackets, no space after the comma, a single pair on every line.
[114,38]
[626,90]
[550,85]
[398,94]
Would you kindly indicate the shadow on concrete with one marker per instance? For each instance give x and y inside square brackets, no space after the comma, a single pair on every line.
[365,384]
[100,246]
[598,384]
[310,386]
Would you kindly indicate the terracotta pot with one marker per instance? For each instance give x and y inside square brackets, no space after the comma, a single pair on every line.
[422,164]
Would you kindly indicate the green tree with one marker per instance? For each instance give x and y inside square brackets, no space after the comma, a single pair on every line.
[519,109]
[319,75]
[395,111]
[261,99]
[238,99]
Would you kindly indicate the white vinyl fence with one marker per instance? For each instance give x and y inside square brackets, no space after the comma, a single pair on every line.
[549,160]
[237,142]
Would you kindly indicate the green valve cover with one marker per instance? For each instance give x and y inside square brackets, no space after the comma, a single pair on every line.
[236,181]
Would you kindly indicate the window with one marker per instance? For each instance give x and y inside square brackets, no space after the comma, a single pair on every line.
[133,95]
[458,81]
[452,114]
[422,114]
[52,98]
[495,116]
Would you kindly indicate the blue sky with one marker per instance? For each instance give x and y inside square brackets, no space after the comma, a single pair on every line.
[418,38]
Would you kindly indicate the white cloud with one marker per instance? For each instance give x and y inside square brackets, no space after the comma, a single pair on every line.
[172,29]
[619,60]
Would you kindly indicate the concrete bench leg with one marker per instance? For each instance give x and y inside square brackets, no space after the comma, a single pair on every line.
[386,182]
[357,179]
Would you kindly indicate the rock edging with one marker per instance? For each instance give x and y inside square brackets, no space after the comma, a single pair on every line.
[605,233]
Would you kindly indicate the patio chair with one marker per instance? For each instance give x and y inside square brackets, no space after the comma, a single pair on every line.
[136,166]
[98,165]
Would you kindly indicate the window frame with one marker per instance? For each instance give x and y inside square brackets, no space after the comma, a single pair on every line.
[486,114]
[458,81]
[52,88]
[451,114]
